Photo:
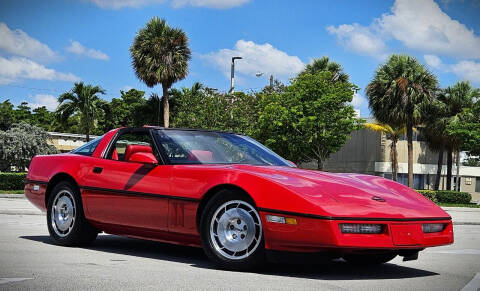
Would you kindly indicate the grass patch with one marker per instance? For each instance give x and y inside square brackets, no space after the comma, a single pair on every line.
[469,205]
[11,191]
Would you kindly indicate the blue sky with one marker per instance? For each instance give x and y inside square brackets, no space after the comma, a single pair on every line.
[45,46]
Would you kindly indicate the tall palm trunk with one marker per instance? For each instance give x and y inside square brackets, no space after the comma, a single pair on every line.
[439,168]
[166,107]
[457,181]
[394,158]
[410,154]
[449,168]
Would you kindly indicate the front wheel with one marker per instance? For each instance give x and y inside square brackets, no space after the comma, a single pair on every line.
[231,232]
[66,222]
[369,259]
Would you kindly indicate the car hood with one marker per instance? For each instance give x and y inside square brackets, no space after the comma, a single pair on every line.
[351,195]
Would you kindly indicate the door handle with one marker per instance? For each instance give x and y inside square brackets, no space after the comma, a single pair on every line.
[97,170]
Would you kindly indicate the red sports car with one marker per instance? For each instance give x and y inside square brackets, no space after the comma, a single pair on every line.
[230,195]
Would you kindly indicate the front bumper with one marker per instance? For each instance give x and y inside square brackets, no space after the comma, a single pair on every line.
[314,235]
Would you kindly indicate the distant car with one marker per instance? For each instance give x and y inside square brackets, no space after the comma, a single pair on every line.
[230,195]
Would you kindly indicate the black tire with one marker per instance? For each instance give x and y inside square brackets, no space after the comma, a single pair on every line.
[79,232]
[246,260]
[368,259]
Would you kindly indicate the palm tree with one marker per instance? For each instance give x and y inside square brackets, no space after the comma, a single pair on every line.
[324,64]
[394,133]
[396,94]
[451,102]
[81,100]
[436,140]
[160,55]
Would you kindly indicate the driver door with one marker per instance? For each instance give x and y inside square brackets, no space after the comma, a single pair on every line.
[125,190]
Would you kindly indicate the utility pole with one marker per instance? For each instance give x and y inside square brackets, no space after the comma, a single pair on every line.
[232,74]
[271,81]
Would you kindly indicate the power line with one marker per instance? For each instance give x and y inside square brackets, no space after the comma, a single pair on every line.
[32,88]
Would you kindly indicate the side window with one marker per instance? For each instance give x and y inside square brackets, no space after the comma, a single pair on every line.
[129,144]
[88,148]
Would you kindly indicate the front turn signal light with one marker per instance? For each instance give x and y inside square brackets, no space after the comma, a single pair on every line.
[281,219]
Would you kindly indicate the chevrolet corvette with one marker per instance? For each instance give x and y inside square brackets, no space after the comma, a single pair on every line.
[232,196]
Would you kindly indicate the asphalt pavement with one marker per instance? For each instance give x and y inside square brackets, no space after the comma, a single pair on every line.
[29,260]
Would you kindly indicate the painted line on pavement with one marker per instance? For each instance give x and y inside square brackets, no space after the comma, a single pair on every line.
[10,280]
[458,252]
[474,284]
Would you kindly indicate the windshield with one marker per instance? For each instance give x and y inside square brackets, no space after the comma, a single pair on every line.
[204,147]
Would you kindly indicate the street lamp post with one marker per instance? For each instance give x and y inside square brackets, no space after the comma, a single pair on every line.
[232,75]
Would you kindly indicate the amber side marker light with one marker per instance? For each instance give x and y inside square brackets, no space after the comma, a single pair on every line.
[433,227]
[361,228]
[281,219]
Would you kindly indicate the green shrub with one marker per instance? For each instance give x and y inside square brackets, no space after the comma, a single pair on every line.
[430,194]
[453,197]
[444,196]
[12,181]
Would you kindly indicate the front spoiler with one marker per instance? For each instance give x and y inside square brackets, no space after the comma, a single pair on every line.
[315,234]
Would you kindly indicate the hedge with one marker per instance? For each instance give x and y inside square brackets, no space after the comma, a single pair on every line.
[12,181]
[444,196]
[430,194]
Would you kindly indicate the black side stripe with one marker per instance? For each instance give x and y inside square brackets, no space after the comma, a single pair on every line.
[350,218]
[27,181]
[138,194]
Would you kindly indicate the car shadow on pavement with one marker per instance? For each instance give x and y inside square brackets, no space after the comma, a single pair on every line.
[334,270]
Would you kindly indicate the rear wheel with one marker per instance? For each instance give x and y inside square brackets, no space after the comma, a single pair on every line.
[369,259]
[231,232]
[65,218]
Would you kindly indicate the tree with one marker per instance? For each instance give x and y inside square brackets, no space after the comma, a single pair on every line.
[7,115]
[324,64]
[23,113]
[397,93]
[43,118]
[160,55]
[435,139]
[200,107]
[127,110]
[20,144]
[81,100]
[467,127]
[311,120]
[449,105]
[394,133]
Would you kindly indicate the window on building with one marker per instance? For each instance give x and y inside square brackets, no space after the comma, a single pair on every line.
[402,178]
[477,184]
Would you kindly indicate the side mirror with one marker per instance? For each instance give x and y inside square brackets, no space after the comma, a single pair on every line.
[142,157]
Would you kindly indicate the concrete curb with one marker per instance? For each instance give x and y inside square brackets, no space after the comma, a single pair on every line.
[16,196]
[21,212]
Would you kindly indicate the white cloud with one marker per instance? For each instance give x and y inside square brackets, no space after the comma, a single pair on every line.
[256,58]
[17,42]
[358,100]
[218,4]
[77,48]
[359,39]
[417,24]
[47,100]
[424,26]
[433,61]
[469,70]
[15,68]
